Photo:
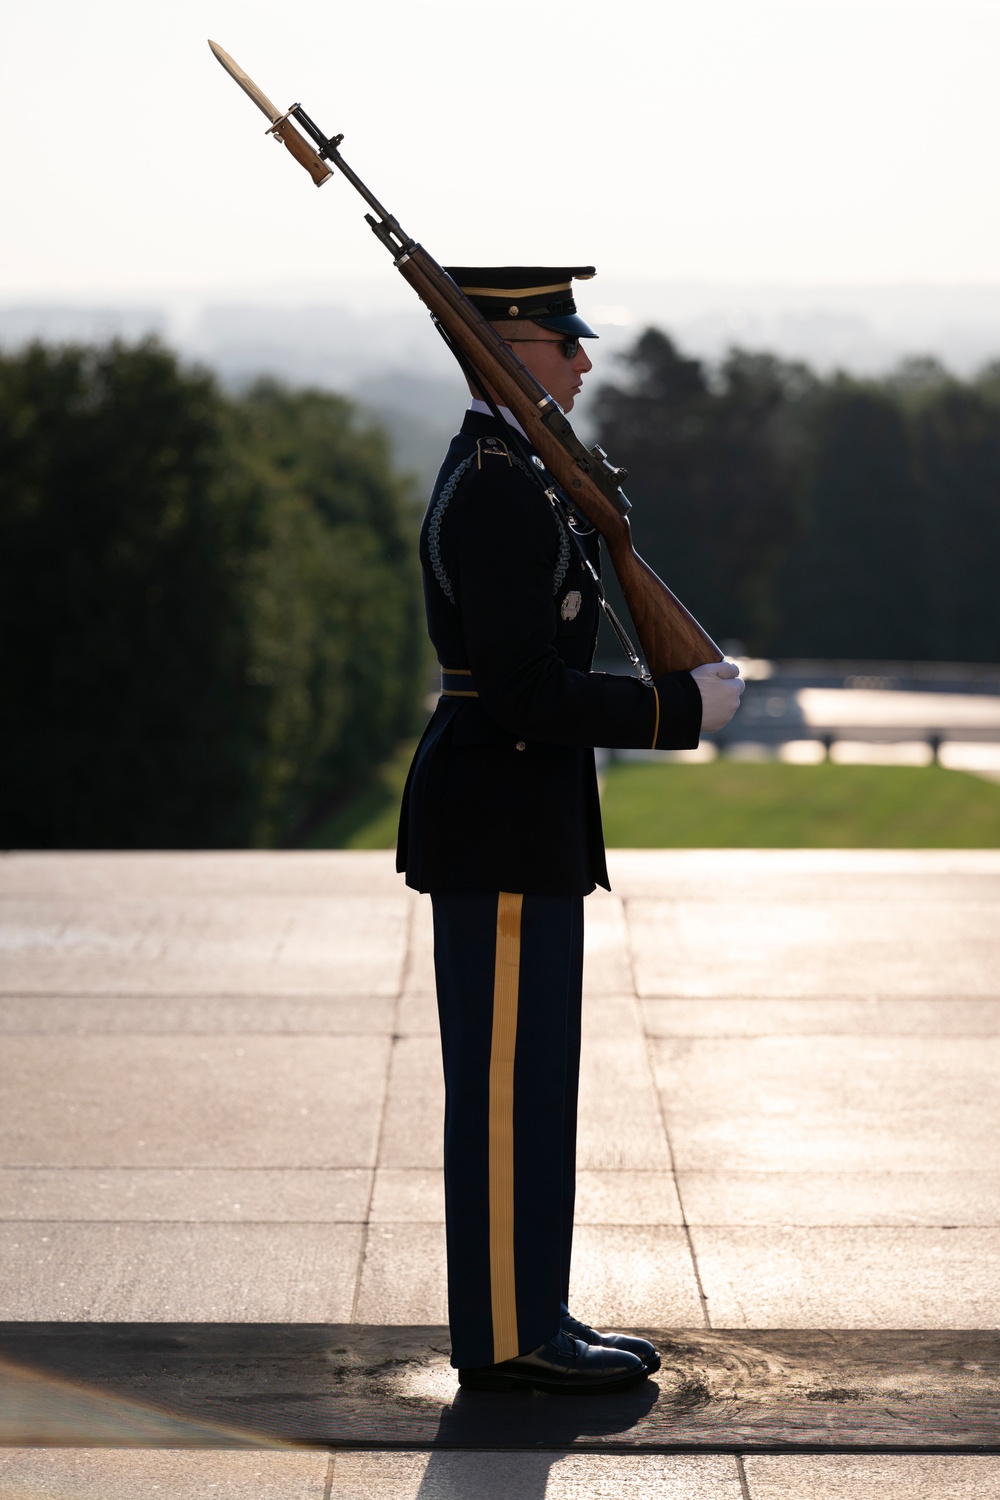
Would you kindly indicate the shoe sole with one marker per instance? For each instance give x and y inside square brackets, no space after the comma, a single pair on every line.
[509,1383]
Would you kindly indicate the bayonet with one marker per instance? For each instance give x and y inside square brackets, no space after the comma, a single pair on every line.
[246,83]
[281,126]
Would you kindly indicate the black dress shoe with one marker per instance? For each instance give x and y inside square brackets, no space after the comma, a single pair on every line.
[563,1364]
[641,1348]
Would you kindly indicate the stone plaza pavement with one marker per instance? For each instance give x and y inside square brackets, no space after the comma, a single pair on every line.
[221,1103]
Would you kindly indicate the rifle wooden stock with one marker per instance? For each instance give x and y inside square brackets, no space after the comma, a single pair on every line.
[670,636]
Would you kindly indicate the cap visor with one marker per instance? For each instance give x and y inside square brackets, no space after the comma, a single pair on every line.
[571,323]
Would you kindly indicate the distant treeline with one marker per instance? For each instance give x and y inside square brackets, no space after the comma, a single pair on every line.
[811,517]
[210,624]
[210,621]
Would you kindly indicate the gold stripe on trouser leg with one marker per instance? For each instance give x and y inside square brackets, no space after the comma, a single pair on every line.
[505,985]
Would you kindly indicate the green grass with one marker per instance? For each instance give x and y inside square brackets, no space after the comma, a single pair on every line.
[368,821]
[734,805]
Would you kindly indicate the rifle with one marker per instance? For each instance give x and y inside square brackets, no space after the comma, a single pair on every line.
[670,636]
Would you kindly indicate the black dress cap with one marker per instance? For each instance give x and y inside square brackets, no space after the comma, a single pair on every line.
[536,294]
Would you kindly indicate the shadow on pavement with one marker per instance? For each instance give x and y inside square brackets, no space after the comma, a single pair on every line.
[230,1385]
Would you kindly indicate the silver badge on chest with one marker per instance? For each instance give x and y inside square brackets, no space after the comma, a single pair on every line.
[570,607]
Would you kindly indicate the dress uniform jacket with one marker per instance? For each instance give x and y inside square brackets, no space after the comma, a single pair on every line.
[502,793]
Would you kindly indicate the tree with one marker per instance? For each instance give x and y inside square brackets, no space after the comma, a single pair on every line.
[957,444]
[836,518]
[855,584]
[182,575]
[713,461]
[339,640]
[902,528]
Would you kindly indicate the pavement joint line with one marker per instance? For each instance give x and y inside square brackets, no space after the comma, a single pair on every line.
[21,992]
[702,1297]
[408,965]
[198,996]
[819,997]
[405,966]
[763,1224]
[366,1221]
[753,1036]
[665,1128]
[688,1236]
[264,1223]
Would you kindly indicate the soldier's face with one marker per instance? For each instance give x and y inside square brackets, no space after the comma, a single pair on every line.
[544,357]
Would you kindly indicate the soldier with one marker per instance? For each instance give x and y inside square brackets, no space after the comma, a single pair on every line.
[501,824]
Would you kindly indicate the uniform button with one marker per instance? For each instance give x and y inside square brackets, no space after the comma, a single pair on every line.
[519,745]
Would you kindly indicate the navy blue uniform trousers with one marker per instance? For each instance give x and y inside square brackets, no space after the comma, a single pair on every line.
[509,977]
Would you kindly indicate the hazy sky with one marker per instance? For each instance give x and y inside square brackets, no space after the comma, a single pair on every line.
[789,141]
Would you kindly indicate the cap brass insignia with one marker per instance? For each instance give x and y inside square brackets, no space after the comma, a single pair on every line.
[570,607]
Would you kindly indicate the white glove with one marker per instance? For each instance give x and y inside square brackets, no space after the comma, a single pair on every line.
[721,688]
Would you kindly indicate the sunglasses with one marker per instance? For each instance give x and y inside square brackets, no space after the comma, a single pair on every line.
[570,345]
